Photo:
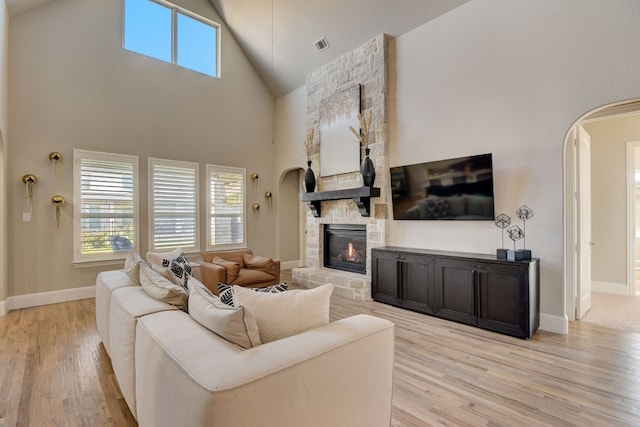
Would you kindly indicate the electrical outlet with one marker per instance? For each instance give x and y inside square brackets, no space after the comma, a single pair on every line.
[26,216]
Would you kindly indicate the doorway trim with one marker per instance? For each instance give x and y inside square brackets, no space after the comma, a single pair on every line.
[609,111]
[631,216]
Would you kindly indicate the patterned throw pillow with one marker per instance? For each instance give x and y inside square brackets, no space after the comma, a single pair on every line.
[177,262]
[227,296]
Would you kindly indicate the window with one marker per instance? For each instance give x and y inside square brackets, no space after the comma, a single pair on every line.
[161,30]
[105,196]
[225,200]
[173,205]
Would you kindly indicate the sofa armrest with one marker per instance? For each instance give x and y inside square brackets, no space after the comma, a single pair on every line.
[212,274]
[338,375]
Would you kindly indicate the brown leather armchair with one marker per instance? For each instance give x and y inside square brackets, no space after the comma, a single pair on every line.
[238,267]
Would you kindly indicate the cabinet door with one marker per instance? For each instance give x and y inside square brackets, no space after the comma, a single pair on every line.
[455,290]
[504,305]
[385,285]
[417,282]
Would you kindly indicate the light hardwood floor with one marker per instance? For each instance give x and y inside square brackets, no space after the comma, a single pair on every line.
[55,372]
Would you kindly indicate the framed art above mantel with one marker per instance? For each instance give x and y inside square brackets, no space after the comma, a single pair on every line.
[339,151]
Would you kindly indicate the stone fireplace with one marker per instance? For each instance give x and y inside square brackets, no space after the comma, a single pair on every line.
[366,66]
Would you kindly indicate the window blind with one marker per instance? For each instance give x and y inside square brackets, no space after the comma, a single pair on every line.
[174,204]
[106,218]
[226,210]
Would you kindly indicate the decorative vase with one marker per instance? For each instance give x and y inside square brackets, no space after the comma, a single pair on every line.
[309,179]
[367,170]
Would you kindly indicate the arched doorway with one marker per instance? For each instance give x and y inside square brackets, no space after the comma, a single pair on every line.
[608,219]
[290,222]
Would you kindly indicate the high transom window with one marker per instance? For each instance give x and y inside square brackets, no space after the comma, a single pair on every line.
[164,31]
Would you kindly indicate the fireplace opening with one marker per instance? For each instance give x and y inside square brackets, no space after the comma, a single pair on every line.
[345,247]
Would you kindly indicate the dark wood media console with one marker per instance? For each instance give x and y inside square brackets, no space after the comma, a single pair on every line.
[475,289]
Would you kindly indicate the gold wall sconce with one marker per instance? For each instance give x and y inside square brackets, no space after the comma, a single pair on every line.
[57,202]
[55,158]
[30,181]
[256,207]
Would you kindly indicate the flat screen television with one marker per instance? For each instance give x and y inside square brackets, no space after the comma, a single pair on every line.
[452,189]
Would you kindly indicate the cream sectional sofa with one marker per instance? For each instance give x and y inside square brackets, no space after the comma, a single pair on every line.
[173,371]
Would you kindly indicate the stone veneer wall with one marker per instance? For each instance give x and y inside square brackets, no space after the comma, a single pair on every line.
[366,66]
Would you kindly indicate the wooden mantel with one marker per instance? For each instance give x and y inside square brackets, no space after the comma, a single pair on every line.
[361,196]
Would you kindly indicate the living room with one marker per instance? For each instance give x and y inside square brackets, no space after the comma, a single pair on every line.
[510,78]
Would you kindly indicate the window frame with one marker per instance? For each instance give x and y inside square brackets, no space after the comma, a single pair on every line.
[151,163]
[175,9]
[210,169]
[78,157]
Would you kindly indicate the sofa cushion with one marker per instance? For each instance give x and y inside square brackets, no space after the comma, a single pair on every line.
[162,288]
[235,324]
[128,305]
[132,266]
[257,262]
[225,292]
[280,315]
[232,268]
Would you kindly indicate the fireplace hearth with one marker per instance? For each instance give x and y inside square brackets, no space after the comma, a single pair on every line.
[345,247]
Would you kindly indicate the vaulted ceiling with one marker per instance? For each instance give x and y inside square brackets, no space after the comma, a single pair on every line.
[278,36]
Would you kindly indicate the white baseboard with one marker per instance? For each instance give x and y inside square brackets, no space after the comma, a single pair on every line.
[553,323]
[3,308]
[44,298]
[610,288]
[288,265]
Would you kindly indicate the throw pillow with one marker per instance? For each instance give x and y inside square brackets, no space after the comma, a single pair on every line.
[132,266]
[157,257]
[232,268]
[261,263]
[235,324]
[177,263]
[162,288]
[225,292]
[281,315]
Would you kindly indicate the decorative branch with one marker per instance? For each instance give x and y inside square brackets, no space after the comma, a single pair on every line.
[308,144]
[365,126]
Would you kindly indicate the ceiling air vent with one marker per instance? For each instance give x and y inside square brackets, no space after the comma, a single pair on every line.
[321,44]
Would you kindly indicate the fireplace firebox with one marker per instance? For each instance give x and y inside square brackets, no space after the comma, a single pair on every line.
[345,247]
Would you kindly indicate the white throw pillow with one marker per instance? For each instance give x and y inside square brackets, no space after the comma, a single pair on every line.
[132,266]
[157,257]
[162,288]
[235,324]
[281,315]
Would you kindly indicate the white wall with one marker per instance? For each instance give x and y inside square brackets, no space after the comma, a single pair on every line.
[4,37]
[73,86]
[508,78]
